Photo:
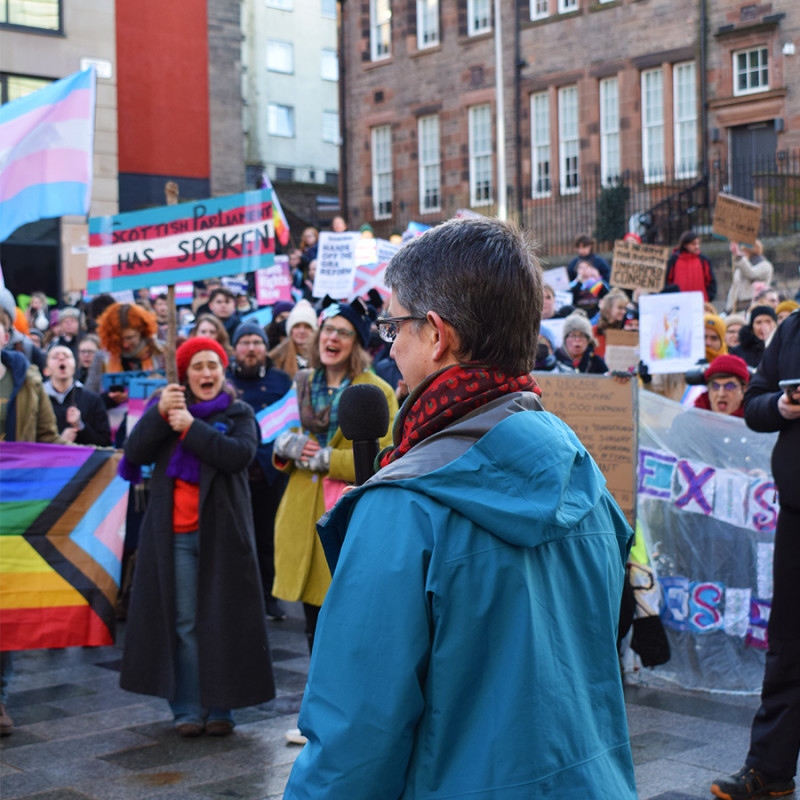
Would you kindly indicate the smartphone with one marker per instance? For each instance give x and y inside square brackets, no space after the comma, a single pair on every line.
[116,387]
[790,386]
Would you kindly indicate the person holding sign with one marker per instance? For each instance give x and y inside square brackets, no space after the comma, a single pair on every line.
[689,270]
[749,266]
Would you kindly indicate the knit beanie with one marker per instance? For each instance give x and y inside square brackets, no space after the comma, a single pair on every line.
[734,319]
[716,324]
[786,305]
[578,321]
[183,355]
[727,365]
[281,307]
[762,311]
[302,312]
[8,304]
[357,313]
[249,328]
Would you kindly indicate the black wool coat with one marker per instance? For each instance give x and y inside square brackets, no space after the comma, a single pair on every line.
[235,667]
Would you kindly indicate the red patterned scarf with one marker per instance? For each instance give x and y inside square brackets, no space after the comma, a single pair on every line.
[446,396]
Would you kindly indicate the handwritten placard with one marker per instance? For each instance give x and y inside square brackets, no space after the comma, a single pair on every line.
[639,266]
[736,219]
[603,414]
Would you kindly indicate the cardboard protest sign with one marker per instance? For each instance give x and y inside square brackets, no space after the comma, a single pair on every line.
[736,219]
[603,414]
[185,242]
[622,349]
[639,266]
[336,264]
[671,335]
[274,283]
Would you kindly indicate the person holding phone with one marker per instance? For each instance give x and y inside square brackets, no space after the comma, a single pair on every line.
[772,403]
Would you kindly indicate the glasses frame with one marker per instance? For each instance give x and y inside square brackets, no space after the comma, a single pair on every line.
[389,334]
[329,329]
[728,386]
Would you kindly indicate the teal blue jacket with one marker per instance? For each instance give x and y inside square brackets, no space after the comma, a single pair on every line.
[467,644]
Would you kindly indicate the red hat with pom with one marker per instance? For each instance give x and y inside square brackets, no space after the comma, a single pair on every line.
[183,355]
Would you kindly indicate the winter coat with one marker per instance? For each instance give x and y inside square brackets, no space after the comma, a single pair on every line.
[781,361]
[94,418]
[692,273]
[750,347]
[467,645]
[235,668]
[301,571]
[30,416]
[600,264]
[745,272]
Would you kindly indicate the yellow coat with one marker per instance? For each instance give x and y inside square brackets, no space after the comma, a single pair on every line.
[301,571]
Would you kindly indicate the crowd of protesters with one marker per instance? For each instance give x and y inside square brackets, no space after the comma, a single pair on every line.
[243,513]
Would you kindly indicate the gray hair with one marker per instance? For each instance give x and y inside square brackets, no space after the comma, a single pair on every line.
[481,276]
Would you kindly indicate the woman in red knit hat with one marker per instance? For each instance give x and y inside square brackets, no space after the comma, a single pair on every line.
[196,630]
[726,379]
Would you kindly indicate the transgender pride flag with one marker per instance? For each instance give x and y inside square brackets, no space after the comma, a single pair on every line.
[46,145]
[279,417]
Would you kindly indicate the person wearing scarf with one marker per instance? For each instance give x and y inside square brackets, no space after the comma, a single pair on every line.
[317,458]
[478,581]
[196,631]
[714,332]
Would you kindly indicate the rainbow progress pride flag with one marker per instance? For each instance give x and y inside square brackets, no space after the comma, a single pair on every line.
[62,517]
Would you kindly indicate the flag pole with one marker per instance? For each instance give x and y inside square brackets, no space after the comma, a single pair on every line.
[171,192]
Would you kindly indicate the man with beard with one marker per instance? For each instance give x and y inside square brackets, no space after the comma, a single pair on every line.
[260,384]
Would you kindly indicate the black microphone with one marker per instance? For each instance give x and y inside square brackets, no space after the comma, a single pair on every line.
[363,418]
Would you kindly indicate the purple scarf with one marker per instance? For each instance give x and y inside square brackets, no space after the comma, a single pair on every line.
[182,465]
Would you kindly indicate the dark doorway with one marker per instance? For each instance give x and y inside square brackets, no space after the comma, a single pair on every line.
[753,149]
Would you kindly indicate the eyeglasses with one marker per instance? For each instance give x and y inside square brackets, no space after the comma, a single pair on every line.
[576,335]
[729,386]
[342,333]
[389,327]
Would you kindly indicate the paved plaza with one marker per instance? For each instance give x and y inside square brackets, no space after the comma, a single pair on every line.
[80,736]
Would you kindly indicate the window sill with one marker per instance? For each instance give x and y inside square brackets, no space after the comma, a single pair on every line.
[425,51]
[10,26]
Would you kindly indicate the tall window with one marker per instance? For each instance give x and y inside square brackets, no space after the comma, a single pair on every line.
[568,141]
[12,87]
[609,130]
[564,6]
[479,16]
[329,65]
[280,56]
[685,119]
[44,14]
[480,155]
[540,144]
[653,125]
[330,127]
[751,71]
[382,172]
[429,164]
[280,120]
[427,23]
[380,25]
[539,9]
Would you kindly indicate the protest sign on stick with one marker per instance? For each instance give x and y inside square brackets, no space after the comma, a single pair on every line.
[736,219]
[602,412]
[639,266]
[336,264]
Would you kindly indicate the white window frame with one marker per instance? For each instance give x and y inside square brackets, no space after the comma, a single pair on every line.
[277,114]
[481,185]
[569,144]
[380,29]
[566,6]
[684,116]
[329,64]
[653,162]
[541,153]
[427,23]
[327,9]
[479,17]
[283,5]
[430,166]
[382,172]
[540,9]
[751,70]
[330,127]
[610,168]
[277,52]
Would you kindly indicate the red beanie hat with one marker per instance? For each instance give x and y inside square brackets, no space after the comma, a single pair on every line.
[728,365]
[183,355]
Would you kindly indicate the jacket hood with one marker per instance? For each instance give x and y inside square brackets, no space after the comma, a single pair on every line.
[506,463]
[17,364]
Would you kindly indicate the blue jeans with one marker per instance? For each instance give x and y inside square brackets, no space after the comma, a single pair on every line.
[186,706]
